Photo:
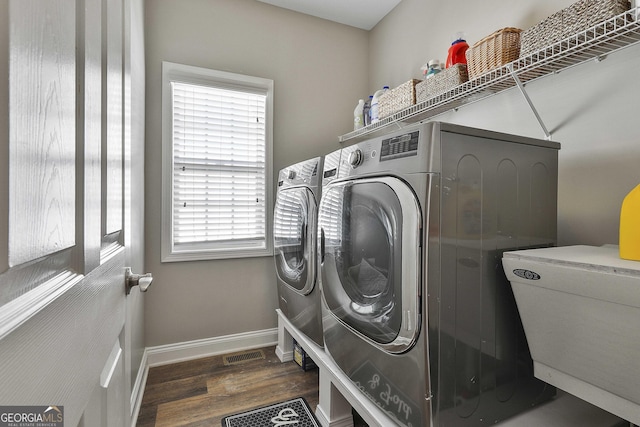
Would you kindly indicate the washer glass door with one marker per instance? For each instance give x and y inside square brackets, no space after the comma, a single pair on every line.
[294,222]
[370,254]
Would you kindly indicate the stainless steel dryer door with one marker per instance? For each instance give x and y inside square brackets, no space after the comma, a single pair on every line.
[294,223]
[370,257]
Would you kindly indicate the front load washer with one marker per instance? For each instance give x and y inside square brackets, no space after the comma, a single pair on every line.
[417,311]
[294,235]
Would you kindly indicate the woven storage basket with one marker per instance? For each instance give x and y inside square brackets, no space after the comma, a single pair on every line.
[547,32]
[493,51]
[397,99]
[578,17]
[442,82]
[587,13]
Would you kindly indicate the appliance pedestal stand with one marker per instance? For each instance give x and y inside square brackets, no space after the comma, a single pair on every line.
[337,393]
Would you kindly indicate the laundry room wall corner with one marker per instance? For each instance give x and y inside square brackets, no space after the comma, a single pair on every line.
[591,113]
[315,88]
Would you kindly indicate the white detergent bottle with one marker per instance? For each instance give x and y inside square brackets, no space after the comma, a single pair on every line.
[367,111]
[358,115]
[375,107]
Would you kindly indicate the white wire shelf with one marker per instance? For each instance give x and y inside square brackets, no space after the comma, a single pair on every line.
[594,43]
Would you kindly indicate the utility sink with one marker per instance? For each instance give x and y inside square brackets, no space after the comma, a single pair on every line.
[580,308]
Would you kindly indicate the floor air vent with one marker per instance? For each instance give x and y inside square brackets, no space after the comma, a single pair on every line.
[243,357]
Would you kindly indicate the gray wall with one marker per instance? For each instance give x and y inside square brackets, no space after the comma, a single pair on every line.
[319,71]
[419,30]
[591,109]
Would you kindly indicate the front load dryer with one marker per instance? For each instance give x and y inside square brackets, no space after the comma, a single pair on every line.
[417,311]
[294,235]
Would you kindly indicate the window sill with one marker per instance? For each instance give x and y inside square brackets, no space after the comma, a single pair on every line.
[215,255]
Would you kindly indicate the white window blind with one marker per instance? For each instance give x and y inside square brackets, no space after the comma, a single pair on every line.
[220,170]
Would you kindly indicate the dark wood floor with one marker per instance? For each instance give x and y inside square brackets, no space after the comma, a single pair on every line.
[203,391]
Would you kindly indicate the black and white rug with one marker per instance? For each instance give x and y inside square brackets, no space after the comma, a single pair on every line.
[294,413]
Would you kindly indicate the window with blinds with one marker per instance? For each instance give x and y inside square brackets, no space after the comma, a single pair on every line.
[217,135]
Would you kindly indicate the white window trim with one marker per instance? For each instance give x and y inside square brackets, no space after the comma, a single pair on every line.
[196,75]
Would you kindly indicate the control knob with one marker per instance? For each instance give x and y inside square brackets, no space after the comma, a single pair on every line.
[355,158]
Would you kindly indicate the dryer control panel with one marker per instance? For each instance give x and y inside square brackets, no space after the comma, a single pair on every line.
[403,151]
[400,146]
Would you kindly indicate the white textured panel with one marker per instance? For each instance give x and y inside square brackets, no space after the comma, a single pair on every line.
[19,310]
[114,144]
[4,134]
[134,179]
[57,356]
[90,130]
[42,128]
[93,413]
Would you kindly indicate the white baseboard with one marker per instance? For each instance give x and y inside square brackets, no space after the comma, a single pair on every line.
[190,350]
[137,390]
[180,352]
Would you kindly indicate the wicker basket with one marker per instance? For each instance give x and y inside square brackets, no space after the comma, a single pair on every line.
[578,17]
[442,82]
[493,51]
[547,32]
[397,99]
[587,13]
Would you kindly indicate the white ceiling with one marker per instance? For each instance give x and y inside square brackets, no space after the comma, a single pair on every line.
[363,14]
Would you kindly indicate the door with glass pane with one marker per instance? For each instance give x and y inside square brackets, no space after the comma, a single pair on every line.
[293,232]
[370,257]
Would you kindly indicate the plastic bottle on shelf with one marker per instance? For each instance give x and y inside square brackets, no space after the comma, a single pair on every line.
[425,70]
[457,51]
[367,111]
[358,115]
[433,68]
[375,107]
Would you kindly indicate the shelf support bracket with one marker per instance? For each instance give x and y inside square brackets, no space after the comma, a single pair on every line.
[526,97]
